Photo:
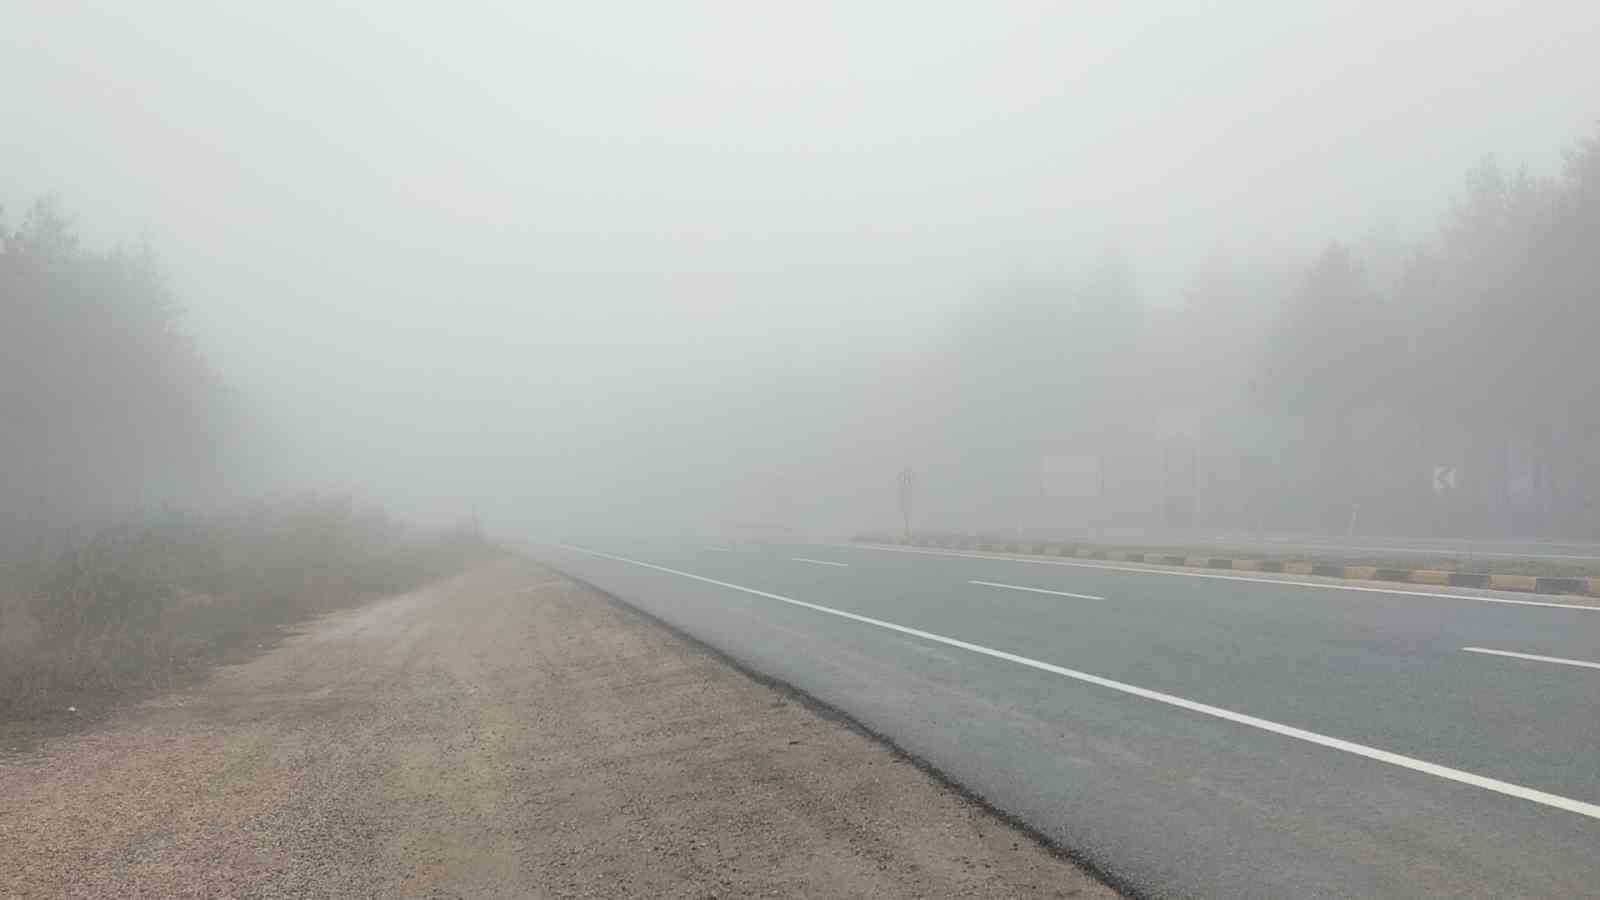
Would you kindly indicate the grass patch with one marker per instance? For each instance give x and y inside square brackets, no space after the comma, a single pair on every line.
[144,607]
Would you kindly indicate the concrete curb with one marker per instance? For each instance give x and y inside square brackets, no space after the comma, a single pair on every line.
[1531,584]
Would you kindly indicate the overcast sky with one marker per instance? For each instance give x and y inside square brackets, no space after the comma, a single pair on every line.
[475,228]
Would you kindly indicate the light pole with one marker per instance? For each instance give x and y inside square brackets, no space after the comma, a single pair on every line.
[908,487]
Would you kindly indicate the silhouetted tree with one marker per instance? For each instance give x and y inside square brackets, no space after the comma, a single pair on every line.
[1328,338]
[105,403]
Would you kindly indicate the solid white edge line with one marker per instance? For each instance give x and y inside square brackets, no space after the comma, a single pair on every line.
[1534,656]
[719,549]
[1150,570]
[1034,590]
[1384,756]
[820,562]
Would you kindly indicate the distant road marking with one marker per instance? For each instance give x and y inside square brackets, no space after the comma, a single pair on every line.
[1034,590]
[819,562]
[1220,577]
[1534,656]
[1384,756]
[719,549]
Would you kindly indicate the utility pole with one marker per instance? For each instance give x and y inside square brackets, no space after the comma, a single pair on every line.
[908,487]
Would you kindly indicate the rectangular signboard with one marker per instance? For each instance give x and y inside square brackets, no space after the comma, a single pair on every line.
[1070,475]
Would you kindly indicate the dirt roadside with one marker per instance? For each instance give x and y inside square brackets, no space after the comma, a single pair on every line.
[507,733]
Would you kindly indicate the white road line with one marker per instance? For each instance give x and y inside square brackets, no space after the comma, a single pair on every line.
[1034,590]
[719,549]
[1384,756]
[1158,571]
[1534,656]
[819,562]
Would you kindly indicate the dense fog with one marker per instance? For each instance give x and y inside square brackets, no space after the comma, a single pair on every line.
[1312,267]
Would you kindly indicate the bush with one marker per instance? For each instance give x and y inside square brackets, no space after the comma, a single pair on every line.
[141,606]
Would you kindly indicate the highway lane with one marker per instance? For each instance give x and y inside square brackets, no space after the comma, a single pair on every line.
[1383,668]
[1171,801]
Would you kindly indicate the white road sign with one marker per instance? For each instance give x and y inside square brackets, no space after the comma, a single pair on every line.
[1070,476]
[1444,479]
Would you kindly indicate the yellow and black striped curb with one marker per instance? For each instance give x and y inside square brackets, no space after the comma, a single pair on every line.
[1588,586]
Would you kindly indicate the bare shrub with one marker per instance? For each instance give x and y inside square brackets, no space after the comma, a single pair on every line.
[137,607]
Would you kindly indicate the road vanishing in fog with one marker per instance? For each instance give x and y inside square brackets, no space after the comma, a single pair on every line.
[1189,733]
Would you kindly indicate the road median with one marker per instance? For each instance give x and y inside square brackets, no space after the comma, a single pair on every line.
[1571,583]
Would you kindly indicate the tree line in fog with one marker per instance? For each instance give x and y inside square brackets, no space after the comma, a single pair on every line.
[1331,393]
[106,404]
[1446,388]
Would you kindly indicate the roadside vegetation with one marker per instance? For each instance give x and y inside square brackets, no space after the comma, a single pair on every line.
[111,417]
[1443,386]
[107,404]
[143,607]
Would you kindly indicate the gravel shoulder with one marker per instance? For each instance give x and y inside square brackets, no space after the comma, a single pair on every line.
[506,733]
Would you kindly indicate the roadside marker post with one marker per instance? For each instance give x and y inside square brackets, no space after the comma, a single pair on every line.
[908,487]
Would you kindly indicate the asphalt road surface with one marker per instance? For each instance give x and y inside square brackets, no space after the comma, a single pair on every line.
[1190,734]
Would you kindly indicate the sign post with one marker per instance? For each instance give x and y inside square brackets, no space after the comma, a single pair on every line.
[908,488]
[1444,479]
